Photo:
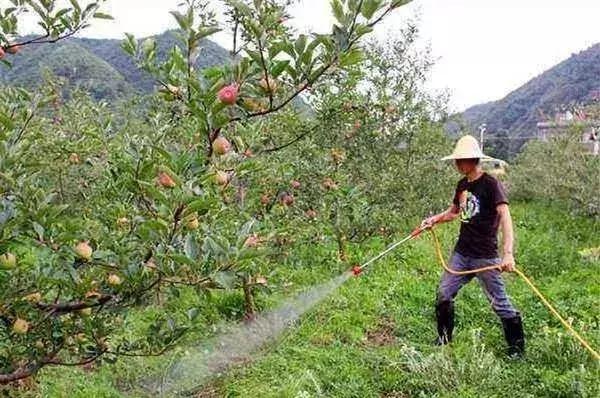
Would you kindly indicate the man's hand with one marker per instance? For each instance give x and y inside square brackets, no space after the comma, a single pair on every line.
[508,263]
[429,222]
[450,214]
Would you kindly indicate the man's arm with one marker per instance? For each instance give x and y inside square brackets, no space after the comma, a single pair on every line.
[449,215]
[506,226]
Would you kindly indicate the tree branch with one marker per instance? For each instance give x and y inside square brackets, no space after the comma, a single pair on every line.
[290,143]
[266,72]
[299,91]
[67,307]
[44,39]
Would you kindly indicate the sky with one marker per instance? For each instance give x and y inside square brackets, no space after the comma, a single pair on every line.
[484,49]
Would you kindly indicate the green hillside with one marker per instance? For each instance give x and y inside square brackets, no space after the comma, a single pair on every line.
[81,69]
[97,65]
[573,81]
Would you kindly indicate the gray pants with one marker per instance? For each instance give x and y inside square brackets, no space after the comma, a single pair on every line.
[490,281]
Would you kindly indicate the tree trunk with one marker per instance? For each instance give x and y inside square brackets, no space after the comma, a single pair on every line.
[250,309]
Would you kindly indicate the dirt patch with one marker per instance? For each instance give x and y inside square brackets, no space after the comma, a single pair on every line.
[382,334]
[209,391]
[238,361]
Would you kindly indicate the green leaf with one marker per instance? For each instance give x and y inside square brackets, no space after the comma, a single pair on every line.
[193,313]
[399,3]
[101,15]
[89,9]
[206,32]
[338,11]
[6,121]
[62,12]
[350,58]
[191,247]
[340,36]
[278,68]
[255,56]
[181,19]
[370,7]
[226,279]
[129,45]
[200,205]
[157,225]
[179,259]
[212,247]
[275,49]
[241,8]
[75,5]
[300,45]
[362,30]
[39,230]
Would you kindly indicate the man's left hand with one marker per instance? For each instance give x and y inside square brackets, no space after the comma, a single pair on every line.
[508,263]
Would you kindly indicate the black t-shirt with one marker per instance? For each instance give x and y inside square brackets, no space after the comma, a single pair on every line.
[477,201]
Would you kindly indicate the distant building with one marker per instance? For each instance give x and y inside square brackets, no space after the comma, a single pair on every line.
[565,121]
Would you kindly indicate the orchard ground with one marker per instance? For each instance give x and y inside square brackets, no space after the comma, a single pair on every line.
[373,337]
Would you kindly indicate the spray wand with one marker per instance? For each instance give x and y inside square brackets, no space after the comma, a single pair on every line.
[357,270]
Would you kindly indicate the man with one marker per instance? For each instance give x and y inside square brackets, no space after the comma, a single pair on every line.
[482,206]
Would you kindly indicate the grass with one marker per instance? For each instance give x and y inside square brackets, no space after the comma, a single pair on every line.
[373,337]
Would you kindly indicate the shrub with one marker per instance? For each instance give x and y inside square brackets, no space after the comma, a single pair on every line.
[560,170]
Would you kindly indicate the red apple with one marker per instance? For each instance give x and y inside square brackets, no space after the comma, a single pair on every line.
[252,241]
[84,251]
[21,326]
[222,178]
[287,199]
[310,213]
[114,280]
[8,261]
[221,145]
[269,85]
[166,180]
[328,183]
[13,49]
[74,158]
[193,223]
[228,95]
[33,297]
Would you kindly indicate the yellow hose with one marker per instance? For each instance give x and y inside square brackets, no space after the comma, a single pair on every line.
[438,250]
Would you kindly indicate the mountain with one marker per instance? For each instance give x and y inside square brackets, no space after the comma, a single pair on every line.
[573,81]
[98,65]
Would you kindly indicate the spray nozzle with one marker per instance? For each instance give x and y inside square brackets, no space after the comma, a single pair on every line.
[357,270]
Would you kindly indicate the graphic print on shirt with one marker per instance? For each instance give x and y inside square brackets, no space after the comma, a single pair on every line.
[469,206]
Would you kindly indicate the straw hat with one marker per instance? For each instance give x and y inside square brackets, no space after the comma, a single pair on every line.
[467,148]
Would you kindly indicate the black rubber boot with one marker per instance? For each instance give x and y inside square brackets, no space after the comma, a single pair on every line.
[513,332]
[444,312]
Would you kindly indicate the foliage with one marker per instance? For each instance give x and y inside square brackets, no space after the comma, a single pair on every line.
[561,170]
[131,229]
[103,213]
[371,152]
[330,352]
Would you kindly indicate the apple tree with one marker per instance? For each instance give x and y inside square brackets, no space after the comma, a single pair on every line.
[98,218]
[227,108]
[372,150]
